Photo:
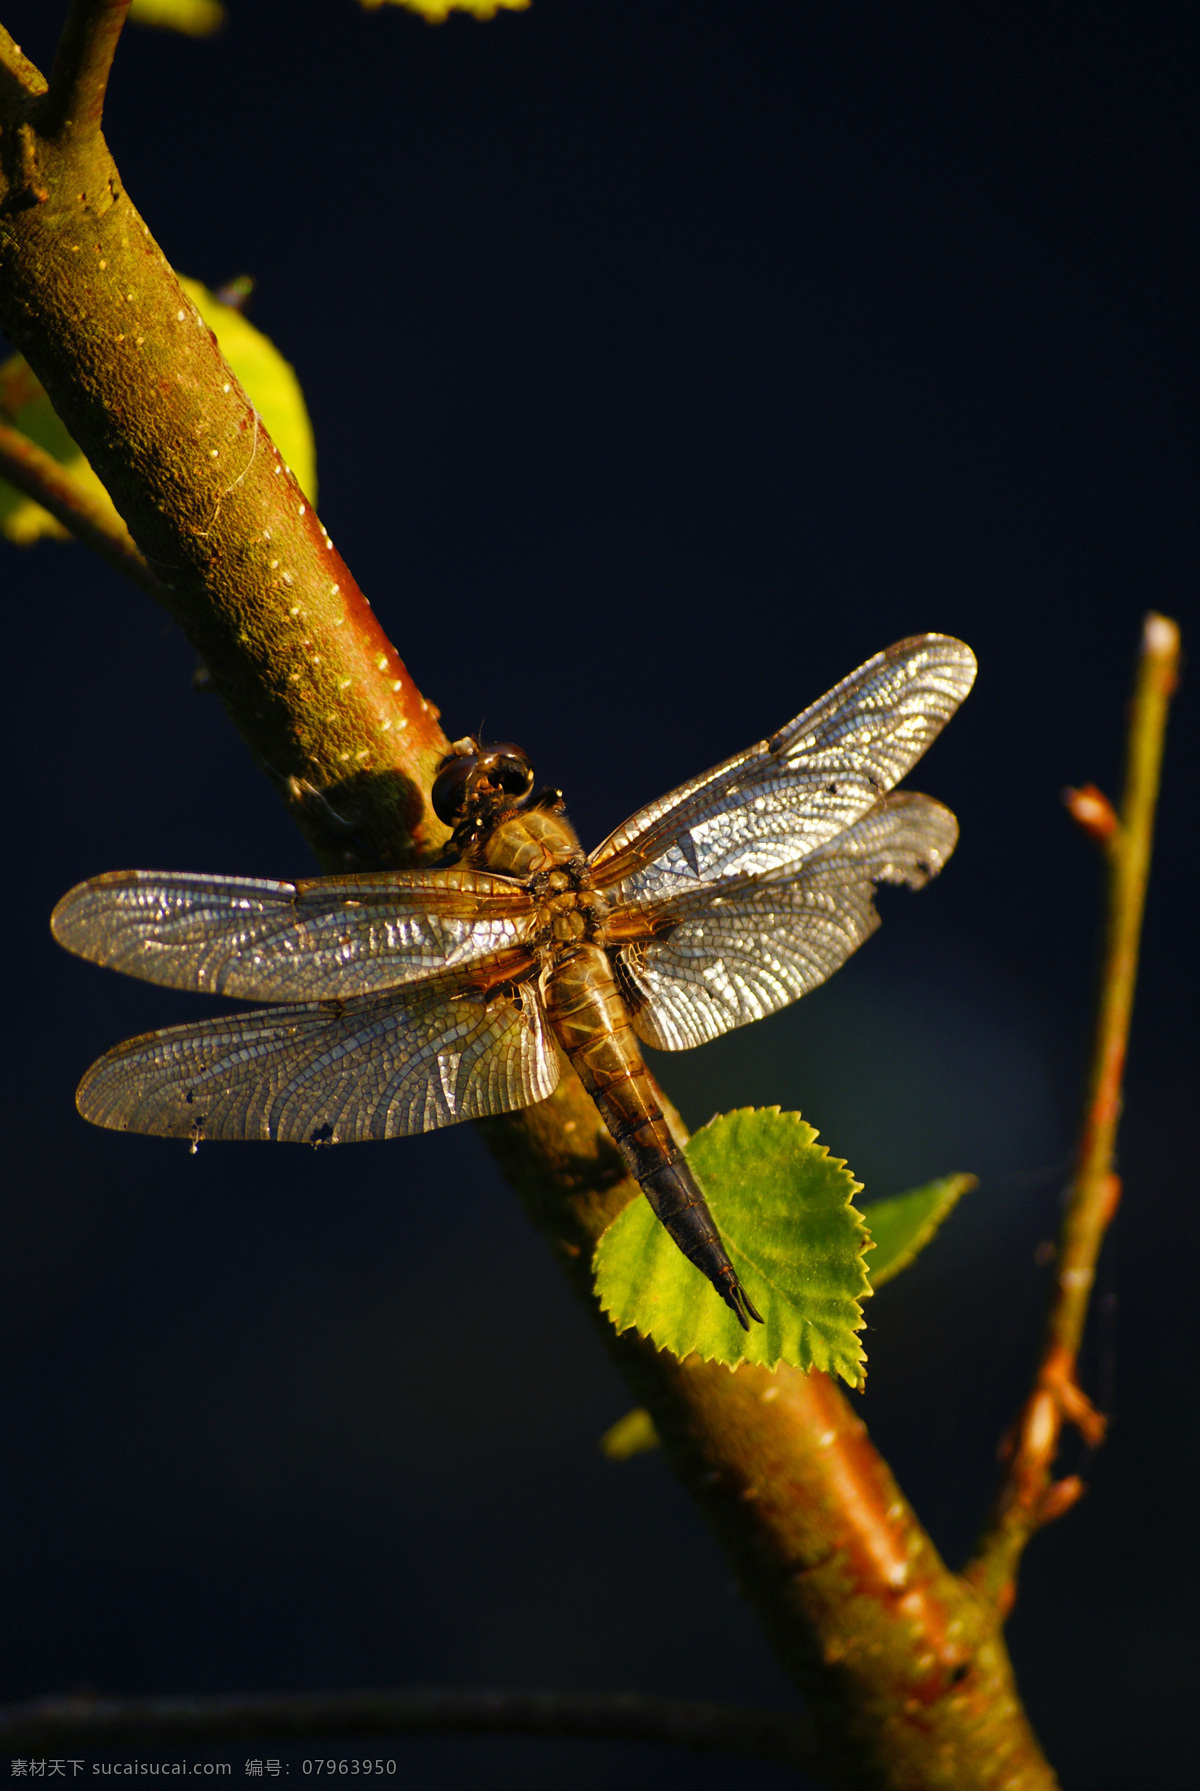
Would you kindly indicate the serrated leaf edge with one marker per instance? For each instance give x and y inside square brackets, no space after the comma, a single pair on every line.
[866,1243]
[932,1226]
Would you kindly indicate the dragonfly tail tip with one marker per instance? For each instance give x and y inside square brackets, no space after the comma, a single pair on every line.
[740,1304]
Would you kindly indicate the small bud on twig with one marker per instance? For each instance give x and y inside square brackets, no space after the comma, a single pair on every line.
[1093,811]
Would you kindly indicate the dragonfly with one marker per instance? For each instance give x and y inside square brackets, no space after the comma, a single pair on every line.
[408,1000]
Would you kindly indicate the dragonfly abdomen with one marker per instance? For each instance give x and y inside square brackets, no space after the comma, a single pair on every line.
[591,1023]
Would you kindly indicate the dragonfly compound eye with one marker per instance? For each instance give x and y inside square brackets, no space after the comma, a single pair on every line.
[506,768]
[451,786]
[471,769]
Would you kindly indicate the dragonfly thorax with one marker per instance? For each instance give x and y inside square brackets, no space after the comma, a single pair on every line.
[542,848]
[527,842]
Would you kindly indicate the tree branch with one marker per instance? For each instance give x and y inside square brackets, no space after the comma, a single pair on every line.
[906,1668]
[48,483]
[19,79]
[1027,1498]
[74,101]
[244,565]
[53,1724]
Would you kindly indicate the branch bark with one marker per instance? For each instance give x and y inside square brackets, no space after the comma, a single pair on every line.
[310,680]
[55,1725]
[79,78]
[904,1667]
[904,1663]
[1028,1496]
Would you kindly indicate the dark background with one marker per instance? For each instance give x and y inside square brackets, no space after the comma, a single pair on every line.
[666,358]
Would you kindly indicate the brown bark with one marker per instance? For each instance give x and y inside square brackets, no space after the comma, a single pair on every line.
[904,1666]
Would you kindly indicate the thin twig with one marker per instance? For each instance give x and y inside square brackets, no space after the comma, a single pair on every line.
[52,1724]
[1027,1498]
[48,483]
[79,77]
[20,80]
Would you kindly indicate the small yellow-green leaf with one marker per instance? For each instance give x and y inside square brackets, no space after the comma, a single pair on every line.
[23,402]
[270,382]
[196,18]
[785,1211]
[631,1435]
[901,1227]
[438,11]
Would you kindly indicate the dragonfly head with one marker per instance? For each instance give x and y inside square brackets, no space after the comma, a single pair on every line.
[472,771]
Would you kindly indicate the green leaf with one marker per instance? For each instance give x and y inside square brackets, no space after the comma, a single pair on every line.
[24,403]
[437,11]
[784,1208]
[631,1435]
[269,382]
[901,1227]
[196,18]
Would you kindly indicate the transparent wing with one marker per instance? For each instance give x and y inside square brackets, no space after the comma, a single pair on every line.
[749,950]
[783,799]
[380,1066]
[321,939]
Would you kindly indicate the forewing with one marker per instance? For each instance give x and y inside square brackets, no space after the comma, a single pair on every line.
[321,939]
[379,1066]
[744,952]
[782,800]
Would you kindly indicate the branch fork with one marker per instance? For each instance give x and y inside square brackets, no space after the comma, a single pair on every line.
[74,101]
